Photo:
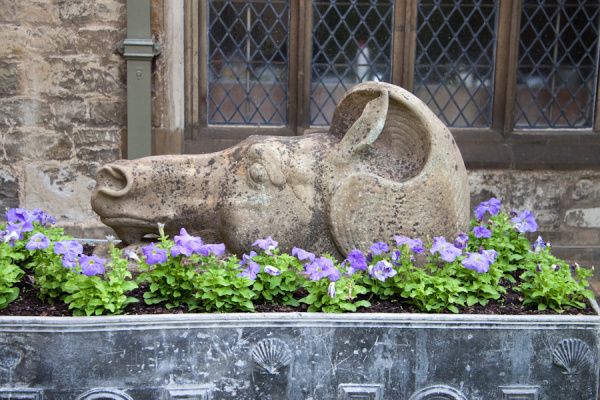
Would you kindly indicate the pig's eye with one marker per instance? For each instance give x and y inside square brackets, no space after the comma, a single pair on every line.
[258,173]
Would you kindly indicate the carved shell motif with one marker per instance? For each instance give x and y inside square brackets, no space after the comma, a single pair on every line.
[573,355]
[271,355]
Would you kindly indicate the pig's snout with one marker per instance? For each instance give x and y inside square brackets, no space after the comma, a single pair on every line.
[114,181]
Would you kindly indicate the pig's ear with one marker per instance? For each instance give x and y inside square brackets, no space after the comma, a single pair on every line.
[395,171]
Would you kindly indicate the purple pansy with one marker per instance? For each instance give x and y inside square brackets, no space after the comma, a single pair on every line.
[319,268]
[331,290]
[378,248]
[383,270]
[303,254]
[415,245]
[13,232]
[448,252]
[207,249]
[41,217]
[272,270]
[395,257]
[538,245]
[18,216]
[492,206]
[154,255]
[477,262]
[525,222]
[490,255]
[250,271]
[247,258]
[38,242]
[461,241]
[266,244]
[70,249]
[357,260]
[481,231]
[91,265]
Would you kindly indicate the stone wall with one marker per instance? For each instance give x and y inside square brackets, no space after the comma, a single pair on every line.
[62,103]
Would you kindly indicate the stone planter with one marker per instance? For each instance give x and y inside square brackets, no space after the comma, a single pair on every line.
[300,356]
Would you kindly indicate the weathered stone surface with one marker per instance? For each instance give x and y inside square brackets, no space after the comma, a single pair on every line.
[36,11]
[14,39]
[17,111]
[108,113]
[99,40]
[68,77]
[61,190]
[28,144]
[9,189]
[110,11]
[9,78]
[584,218]
[387,167]
[95,137]
[102,155]
[68,114]
[587,189]
[50,41]
[75,11]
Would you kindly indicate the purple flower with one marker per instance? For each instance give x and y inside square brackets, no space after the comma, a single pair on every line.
[303,254]
[272,270]
[70,249]
[357,260]
[319,268]
[331,290]
[266,244]
[447,250]
[91,265]
[38,242]
[415,245]
[395,257]
[539,245]
[476,262]
[525,222]
[13,232]
[481,231]
[247,258]
[383,270]
[493,206]
[69,263]
[183,238]
[461,241]
[154,255]
[194,244]
[490,255]
[41,217]
[334,275]
[18,216]
[250,271]
[207,249]
[378,248]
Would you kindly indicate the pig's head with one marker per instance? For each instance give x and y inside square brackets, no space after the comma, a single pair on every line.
[386,167]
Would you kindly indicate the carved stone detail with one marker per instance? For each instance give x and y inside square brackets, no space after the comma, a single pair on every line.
[573,355]
[21,394]
[196,392]
[439,392]
[271,355]
[350,391]
[519,392]
[104,394]
[9,358]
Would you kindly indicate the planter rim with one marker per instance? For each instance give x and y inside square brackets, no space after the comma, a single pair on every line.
[317,320]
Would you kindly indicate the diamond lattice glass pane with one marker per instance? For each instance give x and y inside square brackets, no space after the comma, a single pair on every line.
[558,64]
[248,62]
[454,63]
[352,43]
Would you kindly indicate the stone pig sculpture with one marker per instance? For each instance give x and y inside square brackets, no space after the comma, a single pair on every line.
[387,166]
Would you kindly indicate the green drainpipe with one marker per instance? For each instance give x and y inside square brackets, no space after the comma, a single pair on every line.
[139,48]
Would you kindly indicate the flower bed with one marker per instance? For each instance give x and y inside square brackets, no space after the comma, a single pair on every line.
[437,276]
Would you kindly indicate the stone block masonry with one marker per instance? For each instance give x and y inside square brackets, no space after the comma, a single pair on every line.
[62,104]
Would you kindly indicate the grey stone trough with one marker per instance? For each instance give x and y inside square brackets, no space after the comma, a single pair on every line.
[300,356]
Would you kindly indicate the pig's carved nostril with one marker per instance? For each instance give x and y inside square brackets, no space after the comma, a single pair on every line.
[114,181]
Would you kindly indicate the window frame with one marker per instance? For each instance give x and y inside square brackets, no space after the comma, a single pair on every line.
[497,146]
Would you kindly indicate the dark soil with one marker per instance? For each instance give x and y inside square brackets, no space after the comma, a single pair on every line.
[28,304]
